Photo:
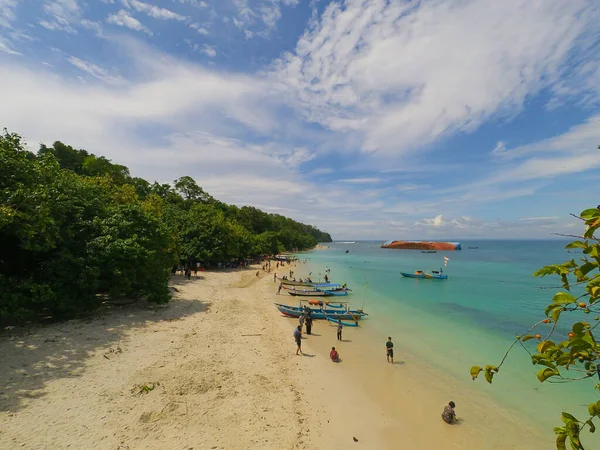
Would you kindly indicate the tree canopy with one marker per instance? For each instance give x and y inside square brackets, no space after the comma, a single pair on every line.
[76,229]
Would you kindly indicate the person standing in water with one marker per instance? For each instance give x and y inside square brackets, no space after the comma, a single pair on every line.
[389,350]
[339,330]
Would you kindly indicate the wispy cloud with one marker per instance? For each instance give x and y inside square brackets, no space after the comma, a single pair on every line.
[94,70]
[125,20]
[259,17]
[208,50]
[62,15]
[360,180]
[154,11]
[374,68]
[538,219]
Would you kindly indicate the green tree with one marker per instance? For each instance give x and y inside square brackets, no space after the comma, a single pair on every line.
[576,356]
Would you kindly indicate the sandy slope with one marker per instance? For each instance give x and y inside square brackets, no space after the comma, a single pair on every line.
[225,376]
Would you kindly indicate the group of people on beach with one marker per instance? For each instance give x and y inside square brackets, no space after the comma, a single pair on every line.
[305,320]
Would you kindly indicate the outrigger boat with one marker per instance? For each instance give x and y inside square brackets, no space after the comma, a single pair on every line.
[439,275]
[321,313]
[308,284]
[307,293]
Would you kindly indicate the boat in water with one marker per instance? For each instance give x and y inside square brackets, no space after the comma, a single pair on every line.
[321,313]
[422,245]
[435,274]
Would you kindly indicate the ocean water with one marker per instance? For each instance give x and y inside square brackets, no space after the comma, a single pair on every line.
[469,319]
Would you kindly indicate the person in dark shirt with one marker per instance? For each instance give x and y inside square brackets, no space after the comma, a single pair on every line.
[298,338]
[389,350]
[449,415]
[308,323]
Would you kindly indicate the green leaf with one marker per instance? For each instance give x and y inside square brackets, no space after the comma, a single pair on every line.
[577,244]
[475,370]
[563,298]
[594,409]
[527,337]
[589,213]
[489,375]
[546,373]
[566,417]
[590,424]
[543,346]
[561,442]
[579,327]
[584,269]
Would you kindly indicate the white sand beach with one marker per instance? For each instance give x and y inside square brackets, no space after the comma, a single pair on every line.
[216,369]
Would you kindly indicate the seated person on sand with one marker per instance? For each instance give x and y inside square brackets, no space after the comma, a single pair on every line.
[334,355]
[449,415]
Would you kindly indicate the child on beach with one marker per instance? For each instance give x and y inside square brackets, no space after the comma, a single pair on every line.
[449,415]
[298,338]
[339,330]
[334,355]
[389,350]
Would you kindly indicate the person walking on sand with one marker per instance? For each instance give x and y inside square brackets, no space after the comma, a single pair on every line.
[389,350]
[308,322]
[339,330]
[279,289]
[449,415]
[275,277]
[301,320]
[298,338]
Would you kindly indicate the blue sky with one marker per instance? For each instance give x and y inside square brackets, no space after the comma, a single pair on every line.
[375,119]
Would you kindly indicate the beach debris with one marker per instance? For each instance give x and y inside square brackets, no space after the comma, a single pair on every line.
[355,440]
[140,389]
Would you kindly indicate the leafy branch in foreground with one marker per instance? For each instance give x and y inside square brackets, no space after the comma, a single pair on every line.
[578,356]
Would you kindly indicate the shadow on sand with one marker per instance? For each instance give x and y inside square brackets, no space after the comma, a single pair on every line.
[36,355]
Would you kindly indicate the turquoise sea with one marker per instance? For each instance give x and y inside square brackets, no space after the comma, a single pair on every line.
[469,319]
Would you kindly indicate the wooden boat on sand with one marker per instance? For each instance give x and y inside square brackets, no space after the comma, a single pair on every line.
[309,293]
[321,313]
[438,275]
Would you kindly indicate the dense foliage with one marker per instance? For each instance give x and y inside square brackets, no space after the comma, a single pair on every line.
[76,229]
[569,355]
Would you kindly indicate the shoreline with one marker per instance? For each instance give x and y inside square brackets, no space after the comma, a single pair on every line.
[218,358]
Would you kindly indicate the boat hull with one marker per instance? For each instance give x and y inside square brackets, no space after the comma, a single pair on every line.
[294,311]
[309,293]
[424,276]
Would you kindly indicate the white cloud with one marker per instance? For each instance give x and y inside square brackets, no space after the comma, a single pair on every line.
[92,25]
[259,17]
[197,3]
[403,74]
[94,70]
[62,15]
[199,28]
[208,50]
[411,187]
[360,180]
[538,219]
[154,11]
[6,49]
[322,171]
[125,20]
[7,12]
